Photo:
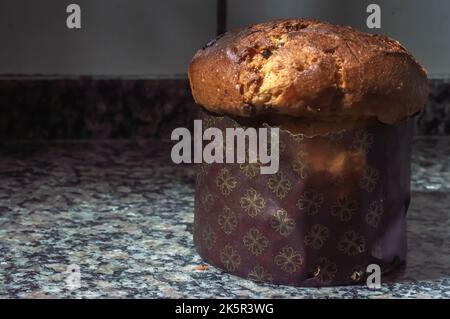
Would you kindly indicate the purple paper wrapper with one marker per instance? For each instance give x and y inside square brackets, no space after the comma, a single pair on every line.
[337,204]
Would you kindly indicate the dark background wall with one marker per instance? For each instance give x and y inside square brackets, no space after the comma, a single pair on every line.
[117,37]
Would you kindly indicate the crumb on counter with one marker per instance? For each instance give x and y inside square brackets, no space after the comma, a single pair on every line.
[201,267]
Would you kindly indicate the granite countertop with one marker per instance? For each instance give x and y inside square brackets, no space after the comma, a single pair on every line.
[123,213]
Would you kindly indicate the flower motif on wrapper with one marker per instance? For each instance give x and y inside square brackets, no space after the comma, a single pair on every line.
[225,182]
[208,237]
[252,202]
[207,200]
[374,213]
[310,202]
[230,258]
[250,169]
[202,172]
[289,260]
[279,185]
[282,222]
[344,208]
[362,142]
[227,220]
[258,273]
[351,243]
[317,236]
[299,165]
[369,179]
[255,241]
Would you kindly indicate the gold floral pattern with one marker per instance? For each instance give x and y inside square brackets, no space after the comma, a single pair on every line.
[296,245]
[279,185]
[374,213]
[204,168]
[202,171]
[208,237]
[207,200]
[230,258]
[289,260]
[299,165]
[282,222]
[252,202]
[227,220]
[351,243]
[325,270]
[310,202]
[225,181]
[317,236]
[255,241]
[369,179]
[258,273]
[344,208]
[250,169]
[362,142]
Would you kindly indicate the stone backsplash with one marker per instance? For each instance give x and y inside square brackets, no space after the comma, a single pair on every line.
[85,108]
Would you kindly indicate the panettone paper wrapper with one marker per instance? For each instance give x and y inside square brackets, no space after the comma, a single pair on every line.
[337,204]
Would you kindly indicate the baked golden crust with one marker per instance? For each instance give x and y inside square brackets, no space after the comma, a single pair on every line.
[308,69]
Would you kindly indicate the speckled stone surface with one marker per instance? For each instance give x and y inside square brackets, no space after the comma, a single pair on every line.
[123,213]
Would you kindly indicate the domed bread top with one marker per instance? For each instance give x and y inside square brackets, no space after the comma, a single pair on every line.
[308,69]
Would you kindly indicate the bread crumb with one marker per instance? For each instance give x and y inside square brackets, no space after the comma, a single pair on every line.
[201,267]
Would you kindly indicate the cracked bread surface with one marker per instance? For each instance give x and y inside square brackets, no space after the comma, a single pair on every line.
[307,71]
